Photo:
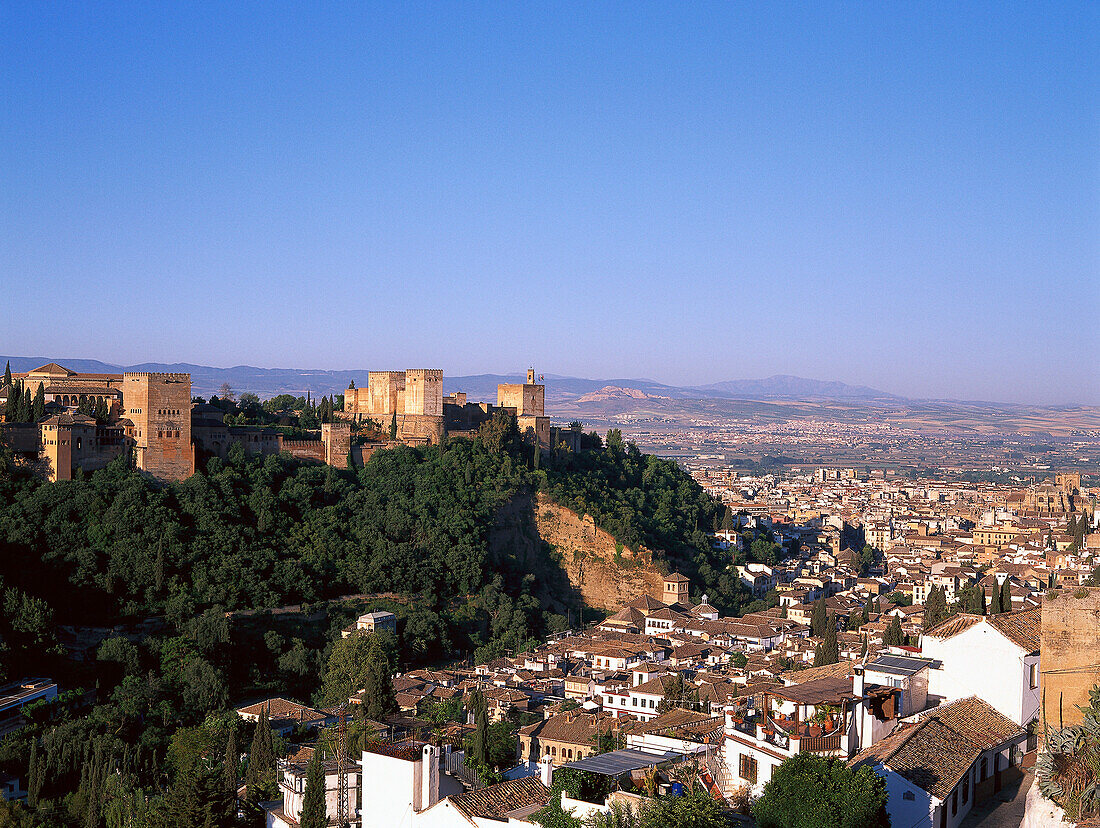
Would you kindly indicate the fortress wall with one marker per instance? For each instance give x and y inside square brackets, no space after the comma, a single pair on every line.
[1070,651]
[305,449]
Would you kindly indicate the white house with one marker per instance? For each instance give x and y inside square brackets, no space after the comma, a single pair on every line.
[292,786]
[404,792]
[994,657]
[937,768]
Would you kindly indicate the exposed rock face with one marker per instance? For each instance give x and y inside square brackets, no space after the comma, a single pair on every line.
[573,558]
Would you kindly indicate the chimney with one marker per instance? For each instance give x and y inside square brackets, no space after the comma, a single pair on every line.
[429,777]
[546,770]
[858,683]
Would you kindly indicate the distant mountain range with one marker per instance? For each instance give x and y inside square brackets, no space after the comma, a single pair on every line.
[268,382]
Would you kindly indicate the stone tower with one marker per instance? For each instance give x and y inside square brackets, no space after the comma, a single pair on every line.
[528,401]
[159,405]
[424,392]
[336,438]
[676,590]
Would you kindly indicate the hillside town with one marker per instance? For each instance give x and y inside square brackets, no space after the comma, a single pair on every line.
[927,632]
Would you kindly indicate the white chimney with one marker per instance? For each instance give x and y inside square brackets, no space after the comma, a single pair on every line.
[429,777]
[858,683]
[546,770]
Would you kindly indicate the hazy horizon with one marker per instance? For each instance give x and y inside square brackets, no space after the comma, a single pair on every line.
[905,198]
[519,373]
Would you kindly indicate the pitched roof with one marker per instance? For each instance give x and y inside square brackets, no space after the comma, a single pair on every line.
[931,755]
[53,368]
[978,721]
[935,753]
[954,625]
[573,727]
[1021,628]
[496,801]
[842,669]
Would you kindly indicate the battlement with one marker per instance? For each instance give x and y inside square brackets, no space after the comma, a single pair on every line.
[137,375]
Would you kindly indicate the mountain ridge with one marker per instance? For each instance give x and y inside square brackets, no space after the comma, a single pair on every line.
[208,379]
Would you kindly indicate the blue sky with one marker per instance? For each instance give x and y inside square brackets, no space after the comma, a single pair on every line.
[902,196]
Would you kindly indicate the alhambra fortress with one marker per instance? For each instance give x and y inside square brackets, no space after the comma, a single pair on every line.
[151,418]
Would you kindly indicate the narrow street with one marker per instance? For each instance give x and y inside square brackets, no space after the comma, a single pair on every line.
[1004,809]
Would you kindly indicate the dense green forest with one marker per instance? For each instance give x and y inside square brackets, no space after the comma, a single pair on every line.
[116,548]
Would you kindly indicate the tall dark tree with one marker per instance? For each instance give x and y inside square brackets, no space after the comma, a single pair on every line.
[479,739]
[232,760]
[314,814]
[38,410]
[34,775]
[893,636]
[261,760]
[995,600]
[378,698]
[818,619]
[7,374]
[199,800]
[865,616]
[828,652]
[1006,596]
[393,426]
[935,607]
[981,600]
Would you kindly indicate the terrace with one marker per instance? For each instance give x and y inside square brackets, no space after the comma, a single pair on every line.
[811,717]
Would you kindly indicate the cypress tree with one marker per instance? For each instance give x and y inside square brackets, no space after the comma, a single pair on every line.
[7,373]
[393,426]
[893,636]
[828,652]
[34,773]
[935,608]
[232,759]
[818,619]
[199,799]
[261,758]
[39,405]
[537,457]
[314,813]
[1006,596]
[981,600]
[378,695]
[479,739]
[865,616]
[863,647]
[14,410]
[995,600]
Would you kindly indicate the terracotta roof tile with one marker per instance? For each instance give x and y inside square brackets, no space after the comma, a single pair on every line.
[496,801]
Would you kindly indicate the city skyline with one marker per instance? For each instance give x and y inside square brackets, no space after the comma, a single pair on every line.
[903,199]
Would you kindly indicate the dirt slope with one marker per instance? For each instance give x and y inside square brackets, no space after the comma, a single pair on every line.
[573,559]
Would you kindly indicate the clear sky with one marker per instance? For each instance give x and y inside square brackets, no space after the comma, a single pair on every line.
[905,196]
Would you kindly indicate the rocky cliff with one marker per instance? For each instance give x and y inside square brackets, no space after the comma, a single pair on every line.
[573,558]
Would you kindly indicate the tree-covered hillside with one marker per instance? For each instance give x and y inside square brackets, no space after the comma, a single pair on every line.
[264,532]
[158,567]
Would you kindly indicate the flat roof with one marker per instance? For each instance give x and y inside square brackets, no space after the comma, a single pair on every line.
[820,691]
[898,665]
[618,762]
